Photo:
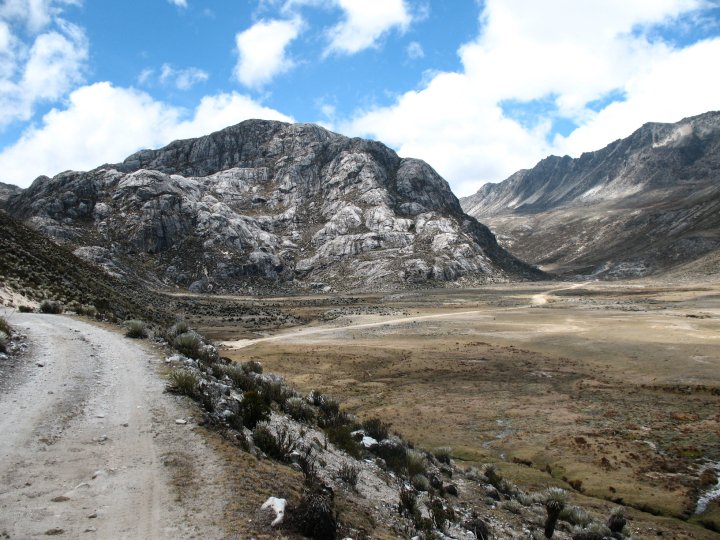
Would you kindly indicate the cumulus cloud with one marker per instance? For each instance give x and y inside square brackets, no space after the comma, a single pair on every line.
[179,3]
[365,22]
[572,55]
[104,124]
[262,50]
[43,63]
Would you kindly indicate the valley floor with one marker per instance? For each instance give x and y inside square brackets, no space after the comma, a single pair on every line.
[613,388]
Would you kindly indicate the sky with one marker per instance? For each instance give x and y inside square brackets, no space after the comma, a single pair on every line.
[478,89]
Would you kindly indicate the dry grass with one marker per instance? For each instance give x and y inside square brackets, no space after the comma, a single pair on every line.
[576,388]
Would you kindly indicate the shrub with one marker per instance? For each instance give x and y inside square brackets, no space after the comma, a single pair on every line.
[52,307]
[136,329]
[555,499]
[274,391]
[492,475]
[189,344]
[180,327]
[349,474]
[252,366]
[440,513]
[307,464]
[25,309]
[3,341]
[616,521]
[341,436]
[376,428]
[408,503]
[512,506]
[575,516]
[185,382]
[415,463]
[5,327]
[594,531]
[278,446]
[443,454]
[420,482]
[253,409]
[298,409]
[478,526]
[315,516]
[239,377]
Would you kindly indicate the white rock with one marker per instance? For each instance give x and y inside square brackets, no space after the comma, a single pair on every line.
[277,506]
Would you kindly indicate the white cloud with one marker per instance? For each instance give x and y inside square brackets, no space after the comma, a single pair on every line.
[366,21]
[262,53]
[414,51]
[104,124]
[182,79]
[40,64]
[565,52]
[44,71]
[179,3]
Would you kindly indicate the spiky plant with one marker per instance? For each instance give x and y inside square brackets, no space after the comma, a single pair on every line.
[555,499]
[617,521]
[136,329]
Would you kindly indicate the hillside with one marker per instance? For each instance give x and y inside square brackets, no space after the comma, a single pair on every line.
[640,206]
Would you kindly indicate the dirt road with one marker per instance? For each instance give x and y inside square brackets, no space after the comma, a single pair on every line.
[89,444]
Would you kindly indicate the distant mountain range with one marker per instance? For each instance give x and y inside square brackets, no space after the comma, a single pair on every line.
[264,206]
[643,205]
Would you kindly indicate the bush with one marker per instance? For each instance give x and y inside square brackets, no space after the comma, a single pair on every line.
[443,454]
[5,327]
[49,306]
[180,327]
[594,531]
[420,482]
[254,409]
[440,513]
[341,436]
[575,516]
[274,391]
[3,341]
[407,506]
[298,409]
[278,446]
[25,309]
[315,516]
[616,521]
[136,329]
[512,506]
[189,344]
[349,474]
[185,382]
[376,428]
[415,463]
[240,379]
[252,366]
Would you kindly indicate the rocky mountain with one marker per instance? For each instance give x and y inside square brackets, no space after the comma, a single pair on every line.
[266,205]
[7,190]
[640,206]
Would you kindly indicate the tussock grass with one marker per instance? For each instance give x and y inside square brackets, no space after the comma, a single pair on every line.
[136,329]
[185,382]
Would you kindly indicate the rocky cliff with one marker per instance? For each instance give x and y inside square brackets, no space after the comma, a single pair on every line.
[267,205]
[640,206]
[7,190]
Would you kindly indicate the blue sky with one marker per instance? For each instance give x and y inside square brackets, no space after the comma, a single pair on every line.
[477,89]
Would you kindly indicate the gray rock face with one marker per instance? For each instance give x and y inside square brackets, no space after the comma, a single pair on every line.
[7,190]
[268,204]
[640,206]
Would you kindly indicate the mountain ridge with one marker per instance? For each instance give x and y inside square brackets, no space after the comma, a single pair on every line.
[267,204]
[636,207]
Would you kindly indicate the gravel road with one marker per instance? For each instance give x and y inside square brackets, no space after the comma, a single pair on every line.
[89,444]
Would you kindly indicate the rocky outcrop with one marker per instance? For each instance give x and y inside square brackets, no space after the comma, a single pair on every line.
[266,205]
[640,206]
[7,190]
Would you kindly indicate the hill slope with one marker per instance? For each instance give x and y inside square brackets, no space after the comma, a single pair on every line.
[266,205]
[639,206]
